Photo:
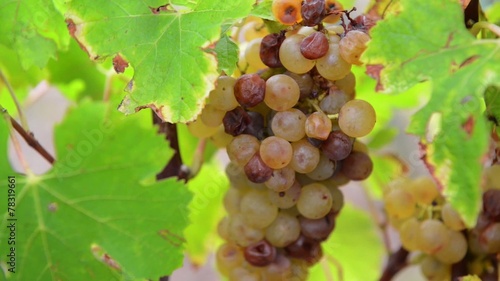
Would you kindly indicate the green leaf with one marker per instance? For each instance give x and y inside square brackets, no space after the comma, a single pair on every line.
[34,29]
[355,236]
[383,137]
[460,67]
[263,10]
[492,100]
[96,201]
[205,211]
[5,167]
[227,54]
[172,72]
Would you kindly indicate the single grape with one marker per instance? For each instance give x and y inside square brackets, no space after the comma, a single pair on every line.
[242,148]
[357,118]
[357,166]
[318,126]
[332,66]
[337,146]
[424,189]
[347,85]
[305,156]
[236,121]
[451,218]
[228,257]
[252,54]
[241,232]
[260,254]
[435,270]
[257,209]
[353,45]
[256,170]
[432,236]
[324,169]
[249,90]
[270,49]
[282,92]
[399,204]
[281,179]
[306,249]
[276,152]
[455,250]
[313,12]
[291,57]
[222,97]
[408,234]
[318,229]
[198,129]
[335,99]
[288,198]
[304,81]
[288,12]
[284,230]
[314,46]
[289,124]
[315,201]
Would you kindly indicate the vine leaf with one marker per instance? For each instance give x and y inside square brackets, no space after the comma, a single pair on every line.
[227,54]
[163,43]
[460,67]
[492,100]
[34,29]
[98,212]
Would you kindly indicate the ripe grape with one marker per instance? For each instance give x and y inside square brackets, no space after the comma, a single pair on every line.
[256,170]
[435,270]
[260,254]
[313,12]
[305,156]
[353,45]
[408,234]
[432,236]
[241,232]
[337,196]
[318,229]
[337,146]
[304,81]
[399,204]
[314,46]
[451,218]
[282,92]
[252,54]
[281,179]
[291,57]
[347,85]
[220,139]
[324,169]
[236,121]
[306,249]
[198,129]
[335,99]
[424,190]
[276,152]
[249,90]
[242,148]
[284,230]
[455,250]
[332,66]
[228,256]
[222,97]
[286,199]
[270,48]
[289,124]
[315,201]
[232,200]
[357,118]
[257,209]
[318,125]
[357,166]
[288,12]
[489,239]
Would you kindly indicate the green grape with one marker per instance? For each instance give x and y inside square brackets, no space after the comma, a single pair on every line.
[258,209]
[454,250]
[241,232]
[289,124]
[242,148]
[408,234]
[291,57]
[198,129]
[220,139]
[276,152]
[323,170]
[451,218]
[357,118]
[305,156]
[432,236]
[399,204]
[282,92]
[232,200]
[212,116]
[281,180]
[332,66]
[252,54]
[315,201]
[286,199]
[228,257]
[337,197]
[284,230]
[347,84]
[222,97]
[435,270]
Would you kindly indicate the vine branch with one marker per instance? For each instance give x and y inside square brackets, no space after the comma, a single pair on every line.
[28,137]
[397,261]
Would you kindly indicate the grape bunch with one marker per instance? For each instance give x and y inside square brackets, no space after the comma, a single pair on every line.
[429,225]
[289,123]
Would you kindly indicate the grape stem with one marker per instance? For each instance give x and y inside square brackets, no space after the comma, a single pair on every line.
[27,136]
[23,119]
[397,261]
[338,266]
[476,28]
